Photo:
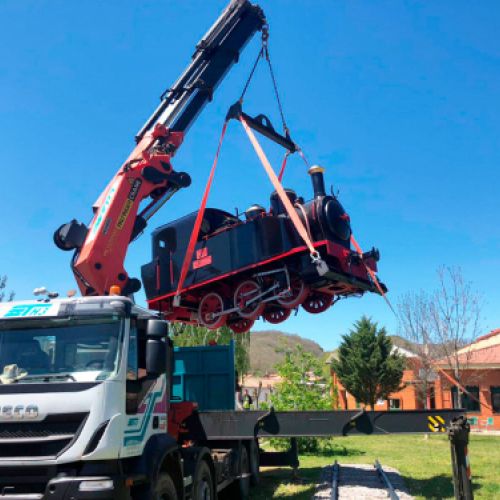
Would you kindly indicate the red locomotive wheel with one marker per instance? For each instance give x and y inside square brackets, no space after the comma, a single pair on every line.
[299,292]
[241,325]
[211,304]
[246,291]
[317,302]
[277,315]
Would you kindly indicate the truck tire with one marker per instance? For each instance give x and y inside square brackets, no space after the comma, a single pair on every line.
[164,488]
[240,488]
[254,453]
[203,486]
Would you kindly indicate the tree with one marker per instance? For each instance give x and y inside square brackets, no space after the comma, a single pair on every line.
[416,326]
[456,313]
[192,335]
[3,290]
[442,323]
[366,366]
[301,388]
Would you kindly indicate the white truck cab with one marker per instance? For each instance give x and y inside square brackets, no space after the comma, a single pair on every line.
[84,396]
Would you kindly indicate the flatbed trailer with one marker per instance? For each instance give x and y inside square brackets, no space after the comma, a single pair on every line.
[230,433]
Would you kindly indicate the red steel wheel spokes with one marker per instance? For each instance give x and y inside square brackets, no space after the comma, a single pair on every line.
[317,302]
[210,305]
[299,292]
[246,291]
[277,315]
[241,325]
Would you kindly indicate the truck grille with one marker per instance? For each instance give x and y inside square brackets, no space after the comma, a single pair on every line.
[25,479]
[47,438]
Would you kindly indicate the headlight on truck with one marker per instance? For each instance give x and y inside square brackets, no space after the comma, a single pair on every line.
[96,485]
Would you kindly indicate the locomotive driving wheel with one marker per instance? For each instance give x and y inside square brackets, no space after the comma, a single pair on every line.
[277,315]
[245,292]
[317,302]
[241,325]
[211,306]
[297,294]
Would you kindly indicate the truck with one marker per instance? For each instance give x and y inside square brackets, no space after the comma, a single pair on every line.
[85,408]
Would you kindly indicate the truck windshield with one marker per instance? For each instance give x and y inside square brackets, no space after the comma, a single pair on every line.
[59,349]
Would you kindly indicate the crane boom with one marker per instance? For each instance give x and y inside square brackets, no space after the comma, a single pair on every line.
[100,248]
[214,55]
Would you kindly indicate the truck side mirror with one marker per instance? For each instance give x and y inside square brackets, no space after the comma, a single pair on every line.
[157,328]
[157,347]
[156,356]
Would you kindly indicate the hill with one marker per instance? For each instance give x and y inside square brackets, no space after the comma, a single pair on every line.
[263,347]
[399,341]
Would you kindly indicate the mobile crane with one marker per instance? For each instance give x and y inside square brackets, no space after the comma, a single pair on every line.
[100,249]
[85,406]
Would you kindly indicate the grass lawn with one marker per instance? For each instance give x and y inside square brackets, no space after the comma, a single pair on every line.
[424,464]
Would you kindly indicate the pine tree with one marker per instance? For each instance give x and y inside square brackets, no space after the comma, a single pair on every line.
[365,365]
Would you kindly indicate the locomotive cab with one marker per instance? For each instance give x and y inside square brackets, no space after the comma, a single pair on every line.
[225,244]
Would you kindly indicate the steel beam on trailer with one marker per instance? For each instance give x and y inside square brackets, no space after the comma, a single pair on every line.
[230,425]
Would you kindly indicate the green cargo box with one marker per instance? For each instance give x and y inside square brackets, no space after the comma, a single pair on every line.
[206,375]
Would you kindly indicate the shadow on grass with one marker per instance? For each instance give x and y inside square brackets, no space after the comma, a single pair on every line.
[336,451]
[435,487]
[272,480]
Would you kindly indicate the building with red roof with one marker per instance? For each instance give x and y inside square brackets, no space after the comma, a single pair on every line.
[481,378]
[480,374]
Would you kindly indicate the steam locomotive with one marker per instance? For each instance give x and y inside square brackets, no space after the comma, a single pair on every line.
[257,265]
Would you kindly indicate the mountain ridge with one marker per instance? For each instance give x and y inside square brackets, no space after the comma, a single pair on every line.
[265,347]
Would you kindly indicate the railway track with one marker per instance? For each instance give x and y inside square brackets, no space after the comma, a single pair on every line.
[345,482]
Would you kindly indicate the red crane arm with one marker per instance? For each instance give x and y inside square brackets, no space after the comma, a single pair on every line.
[99,264]
[100,248]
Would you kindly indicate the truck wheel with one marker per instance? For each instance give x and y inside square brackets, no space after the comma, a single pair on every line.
[203,487]
[254,462]
[164,489]
[240,488]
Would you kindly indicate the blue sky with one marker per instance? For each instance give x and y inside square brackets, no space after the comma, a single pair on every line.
[398,100]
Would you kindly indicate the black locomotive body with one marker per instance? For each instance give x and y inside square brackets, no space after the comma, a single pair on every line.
[259,266]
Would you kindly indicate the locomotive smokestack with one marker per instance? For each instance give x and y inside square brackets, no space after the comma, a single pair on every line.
[316,173]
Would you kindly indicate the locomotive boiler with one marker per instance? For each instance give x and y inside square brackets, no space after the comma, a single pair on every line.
[256,265]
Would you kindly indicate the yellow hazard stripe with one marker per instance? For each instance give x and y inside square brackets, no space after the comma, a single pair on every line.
[432,428]
[431,419]
[441,419]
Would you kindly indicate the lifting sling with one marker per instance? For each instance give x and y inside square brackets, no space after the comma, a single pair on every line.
[199,219]
[292,213]
[372,274]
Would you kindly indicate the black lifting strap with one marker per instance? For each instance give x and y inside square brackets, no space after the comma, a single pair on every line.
[261,123]
[265,48]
